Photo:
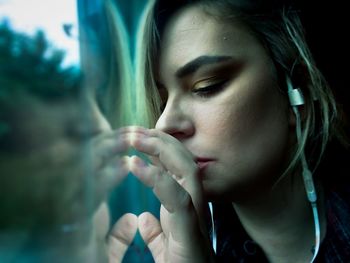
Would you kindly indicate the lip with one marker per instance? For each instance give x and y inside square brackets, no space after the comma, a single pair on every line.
[203,162]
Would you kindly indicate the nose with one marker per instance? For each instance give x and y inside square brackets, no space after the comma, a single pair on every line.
[176,120]
[98,121]
[89,122]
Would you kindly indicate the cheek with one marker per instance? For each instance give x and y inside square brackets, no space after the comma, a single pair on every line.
[262,120]
[242,119]
[249,133]
[213,122]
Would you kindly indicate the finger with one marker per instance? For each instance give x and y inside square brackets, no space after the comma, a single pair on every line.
[101,221]
[111,175]
[170,193]
[170,152]
[173,197]
[149,174]
[121,236]
[103,148]
[107,136]
[135,133]
[152,234]
[146,173]
[133,128]
[174,158]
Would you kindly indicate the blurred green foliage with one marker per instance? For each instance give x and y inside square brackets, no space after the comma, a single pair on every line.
[32,64]
[30,70]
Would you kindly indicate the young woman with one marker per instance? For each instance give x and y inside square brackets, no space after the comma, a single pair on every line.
[242,117]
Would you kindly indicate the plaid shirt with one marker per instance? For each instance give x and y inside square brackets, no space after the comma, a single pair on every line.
[234,244]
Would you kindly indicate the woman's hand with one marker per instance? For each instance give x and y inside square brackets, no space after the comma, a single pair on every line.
[180,236]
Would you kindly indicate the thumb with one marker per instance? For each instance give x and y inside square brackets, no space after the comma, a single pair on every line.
[121,236]
[152,233]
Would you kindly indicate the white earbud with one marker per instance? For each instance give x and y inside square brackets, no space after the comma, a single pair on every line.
[296,99]
[213,241]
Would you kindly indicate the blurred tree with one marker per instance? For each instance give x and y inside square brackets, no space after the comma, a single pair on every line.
[33,64]
[29,67]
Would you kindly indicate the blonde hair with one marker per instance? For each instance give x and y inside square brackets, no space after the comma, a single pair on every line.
[147,97]
[119,110]
[106,63]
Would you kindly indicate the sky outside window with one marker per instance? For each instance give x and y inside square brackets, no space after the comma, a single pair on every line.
[55,18]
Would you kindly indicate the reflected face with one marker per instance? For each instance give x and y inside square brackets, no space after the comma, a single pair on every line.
[48,140]
[222,101]
[44,125]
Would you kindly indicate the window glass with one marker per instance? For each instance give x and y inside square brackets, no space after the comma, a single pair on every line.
[66,87]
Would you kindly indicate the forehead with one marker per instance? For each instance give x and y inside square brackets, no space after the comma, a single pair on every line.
[192,32]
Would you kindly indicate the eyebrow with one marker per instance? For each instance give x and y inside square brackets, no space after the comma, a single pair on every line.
[192,66]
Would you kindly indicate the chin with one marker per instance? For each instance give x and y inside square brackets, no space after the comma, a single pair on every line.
[219,191]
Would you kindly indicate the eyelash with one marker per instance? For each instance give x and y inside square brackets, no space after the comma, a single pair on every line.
[204,92]
[210,90]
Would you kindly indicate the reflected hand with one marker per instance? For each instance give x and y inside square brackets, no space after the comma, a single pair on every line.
[119,237]
[48,189]
[96,168]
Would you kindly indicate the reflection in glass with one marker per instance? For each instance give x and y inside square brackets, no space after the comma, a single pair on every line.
[66,86]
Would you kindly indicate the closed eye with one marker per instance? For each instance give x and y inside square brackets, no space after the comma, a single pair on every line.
[211,89]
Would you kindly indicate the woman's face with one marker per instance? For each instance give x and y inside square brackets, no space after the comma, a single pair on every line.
[222,101]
